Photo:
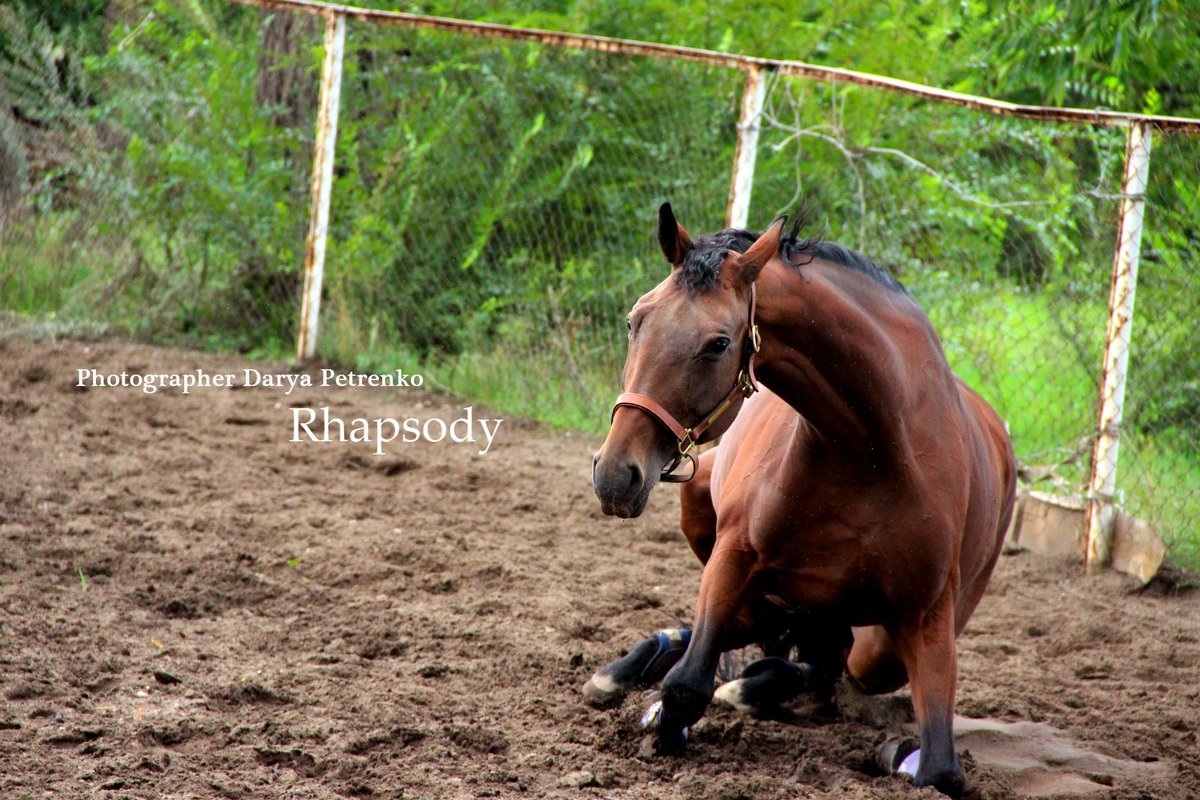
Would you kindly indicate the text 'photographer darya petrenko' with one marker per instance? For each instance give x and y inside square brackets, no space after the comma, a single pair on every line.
[185,382]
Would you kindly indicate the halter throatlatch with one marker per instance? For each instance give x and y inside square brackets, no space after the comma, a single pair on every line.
[688,438]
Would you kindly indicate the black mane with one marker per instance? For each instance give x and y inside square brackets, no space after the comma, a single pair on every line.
[702,265]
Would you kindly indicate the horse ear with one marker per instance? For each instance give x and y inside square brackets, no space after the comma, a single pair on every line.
[674,239]
[745,269]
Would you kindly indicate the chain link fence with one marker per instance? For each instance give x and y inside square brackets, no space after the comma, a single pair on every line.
[1016,271]
[1013,272]
[493,215]
[497,231]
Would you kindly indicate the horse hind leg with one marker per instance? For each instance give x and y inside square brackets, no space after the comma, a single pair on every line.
[768,683]
[873,662]
[923,655]
[928,651]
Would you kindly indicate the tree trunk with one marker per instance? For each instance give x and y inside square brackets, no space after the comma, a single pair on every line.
[286,84]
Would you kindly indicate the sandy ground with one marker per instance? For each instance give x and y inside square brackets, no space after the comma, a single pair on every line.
[191,606]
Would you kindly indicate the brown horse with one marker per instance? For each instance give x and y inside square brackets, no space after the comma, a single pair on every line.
[865,489]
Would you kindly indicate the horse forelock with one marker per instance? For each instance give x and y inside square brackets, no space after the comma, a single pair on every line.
[701,267]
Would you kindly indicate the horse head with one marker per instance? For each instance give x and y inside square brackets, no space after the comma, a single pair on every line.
[690,362]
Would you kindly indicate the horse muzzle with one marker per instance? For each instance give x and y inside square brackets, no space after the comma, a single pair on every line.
[621,484]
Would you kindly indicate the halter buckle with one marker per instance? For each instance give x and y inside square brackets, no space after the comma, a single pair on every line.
[746,385]
[755,339]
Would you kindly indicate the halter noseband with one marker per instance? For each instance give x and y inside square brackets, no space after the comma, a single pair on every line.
[688,438]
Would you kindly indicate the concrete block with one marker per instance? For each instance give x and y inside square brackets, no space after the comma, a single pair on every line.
[1137,549]
[1056,525]
[1051,524]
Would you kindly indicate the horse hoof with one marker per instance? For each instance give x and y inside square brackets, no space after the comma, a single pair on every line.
[644,665]
[668,743]
[950,782]
[601,691]
[899,756]
[665,743]
[767,683]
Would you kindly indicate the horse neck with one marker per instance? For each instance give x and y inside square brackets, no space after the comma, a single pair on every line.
[831,350]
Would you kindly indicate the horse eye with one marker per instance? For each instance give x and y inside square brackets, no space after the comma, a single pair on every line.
[717,346]
[629,325]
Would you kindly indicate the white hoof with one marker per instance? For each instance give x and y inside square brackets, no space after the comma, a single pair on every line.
[653,714]
[650,718]
[731,695]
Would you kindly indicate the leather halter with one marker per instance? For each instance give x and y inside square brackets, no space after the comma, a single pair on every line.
[688,437]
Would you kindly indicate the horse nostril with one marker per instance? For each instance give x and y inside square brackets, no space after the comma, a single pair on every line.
[635,478]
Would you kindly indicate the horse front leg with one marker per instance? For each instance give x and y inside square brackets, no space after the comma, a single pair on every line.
[644,665]
[688,687]
[649,660]
[928,651]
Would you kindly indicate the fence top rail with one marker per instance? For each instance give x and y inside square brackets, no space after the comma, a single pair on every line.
[608,44]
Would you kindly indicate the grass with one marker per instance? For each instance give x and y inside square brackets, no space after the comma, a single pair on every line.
[40,267]
[1008,346]
[525,384]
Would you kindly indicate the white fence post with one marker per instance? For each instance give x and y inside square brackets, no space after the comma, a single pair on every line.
[1101,505]
[749,124]
[322,186]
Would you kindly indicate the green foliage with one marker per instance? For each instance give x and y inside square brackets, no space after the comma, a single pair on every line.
[216,205]
[501,155]
[1137,56]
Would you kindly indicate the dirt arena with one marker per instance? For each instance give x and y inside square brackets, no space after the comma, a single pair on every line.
[193,607]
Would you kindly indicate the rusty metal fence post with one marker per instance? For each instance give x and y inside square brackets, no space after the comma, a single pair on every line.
[322,186]
[749,123]
[1101,501]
